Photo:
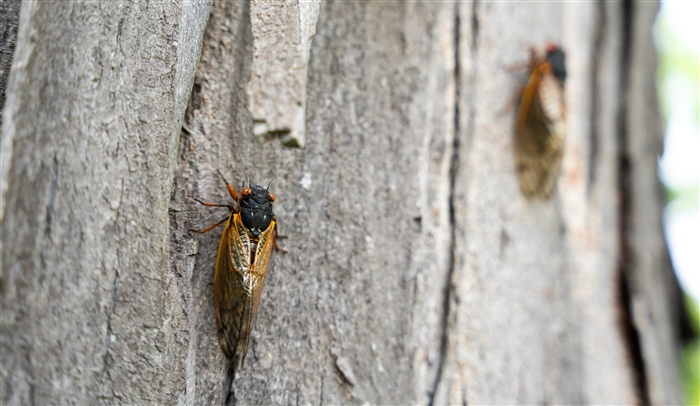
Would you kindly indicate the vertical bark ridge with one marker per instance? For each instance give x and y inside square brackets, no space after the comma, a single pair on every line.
[626,262]
[9,22]
[53,190]
[108,339]
[593,136]
[454,169]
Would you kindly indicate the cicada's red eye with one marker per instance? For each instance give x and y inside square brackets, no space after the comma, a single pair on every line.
[272,197]
[246,192]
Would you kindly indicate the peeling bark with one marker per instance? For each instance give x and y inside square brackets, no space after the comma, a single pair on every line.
[282,33]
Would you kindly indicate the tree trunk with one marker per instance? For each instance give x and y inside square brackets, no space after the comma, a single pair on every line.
[415,271]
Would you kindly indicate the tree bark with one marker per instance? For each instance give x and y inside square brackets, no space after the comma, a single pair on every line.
[9,18]
[92,117]
[415,271]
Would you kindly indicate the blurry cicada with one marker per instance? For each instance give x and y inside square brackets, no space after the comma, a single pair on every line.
[241,266]
[540,124]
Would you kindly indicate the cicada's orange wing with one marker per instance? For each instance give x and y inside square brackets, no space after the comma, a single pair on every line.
[539,132]
[262,260]
[241,267]
[231,298]
[525,111]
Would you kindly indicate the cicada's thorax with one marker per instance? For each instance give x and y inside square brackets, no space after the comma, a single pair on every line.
[551,91]
[256,211]
[249,242]
[256,217]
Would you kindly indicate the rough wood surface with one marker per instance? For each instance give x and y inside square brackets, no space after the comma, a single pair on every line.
[282,33]
[415,271]
[654,290]
[9,19]
[93,112]
[537,299]
[359,286]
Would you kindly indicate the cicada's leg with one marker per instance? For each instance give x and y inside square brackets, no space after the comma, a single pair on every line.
[211,227]
[511,102]
[231,189]
[207,204]
[276,235]
[515,67]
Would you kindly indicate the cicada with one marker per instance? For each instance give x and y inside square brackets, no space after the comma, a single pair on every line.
[540,124]
[241,265]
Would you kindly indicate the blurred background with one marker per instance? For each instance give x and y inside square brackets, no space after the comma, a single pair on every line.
[677,36]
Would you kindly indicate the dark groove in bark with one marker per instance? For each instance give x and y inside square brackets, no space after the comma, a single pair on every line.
[53,190]
[454,166]
[229,390]
[464,397]
[52,197]
[30,371]
[320,396]
[108,340]
[631,338]
[594,135]
[625,284]
[229,393]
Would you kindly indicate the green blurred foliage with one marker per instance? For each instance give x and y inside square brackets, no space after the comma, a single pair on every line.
[683,198]
[679,66]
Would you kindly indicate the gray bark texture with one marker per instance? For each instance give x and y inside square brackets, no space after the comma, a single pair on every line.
[9,17]
[415,271]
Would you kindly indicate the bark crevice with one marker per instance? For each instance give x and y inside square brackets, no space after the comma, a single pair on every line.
[53,191]
[30,373]
[454,169]
[596,63]
[52,197]
[320,395]
[108,339]
[626,262]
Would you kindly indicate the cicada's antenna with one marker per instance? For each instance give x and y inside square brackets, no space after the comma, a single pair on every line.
[268,185]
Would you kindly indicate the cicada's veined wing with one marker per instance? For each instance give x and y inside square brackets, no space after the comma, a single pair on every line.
[539,132]
[231,300]
[261,261]
[241,267]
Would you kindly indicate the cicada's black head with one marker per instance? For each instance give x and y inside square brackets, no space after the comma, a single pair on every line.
[255,205]
[556,59]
